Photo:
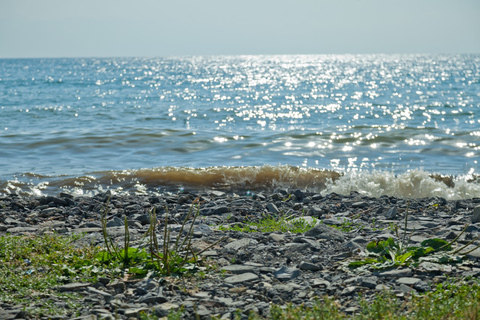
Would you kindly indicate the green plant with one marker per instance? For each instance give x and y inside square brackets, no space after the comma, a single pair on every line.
[32,266]
[271,223]
[167,260]
[390,253]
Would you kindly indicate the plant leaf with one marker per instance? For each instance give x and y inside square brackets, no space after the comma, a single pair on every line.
[357,264]
[436,244]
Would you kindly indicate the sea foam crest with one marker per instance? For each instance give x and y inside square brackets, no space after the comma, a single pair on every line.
[411,184]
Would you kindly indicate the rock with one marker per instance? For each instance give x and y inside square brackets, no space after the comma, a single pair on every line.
[360,204]
[73,286]
[337,221]
[422,286]
[238,244]
[322,231]
[391,213]
[409,281]
[152,298]
[476,215]
[244,277]
[220,210]
[277,237]
[239,269]
[286,274]
[382,287]
[367,282]
[309,266]
[299,194]
[288,287]
[404,288]
[349,290]
[272,208]
[22,230]
[115,222]
[396,273]
[435,267]
[87,317]
[262,268]
[316,211]
[107,296]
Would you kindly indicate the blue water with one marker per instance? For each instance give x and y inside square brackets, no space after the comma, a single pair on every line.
[73,118]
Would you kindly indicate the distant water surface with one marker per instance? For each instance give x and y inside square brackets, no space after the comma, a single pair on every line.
[96,124]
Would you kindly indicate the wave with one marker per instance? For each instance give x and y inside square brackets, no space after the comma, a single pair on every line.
[411,184]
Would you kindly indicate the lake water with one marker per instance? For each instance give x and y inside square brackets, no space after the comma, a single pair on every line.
[379,124]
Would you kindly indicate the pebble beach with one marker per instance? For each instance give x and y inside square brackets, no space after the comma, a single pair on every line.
[251,270]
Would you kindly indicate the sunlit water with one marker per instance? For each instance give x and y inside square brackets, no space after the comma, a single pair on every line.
[91,124]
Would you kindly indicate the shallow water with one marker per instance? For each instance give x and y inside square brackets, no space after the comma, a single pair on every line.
[83,123]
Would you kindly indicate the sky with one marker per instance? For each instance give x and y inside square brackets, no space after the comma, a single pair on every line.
[161,28]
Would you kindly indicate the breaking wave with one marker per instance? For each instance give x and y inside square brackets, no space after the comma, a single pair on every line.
[411,184]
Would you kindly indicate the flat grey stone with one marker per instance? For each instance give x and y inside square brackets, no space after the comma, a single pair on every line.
[272,208]
[238,244]
[22,230]
[309,266]
[409,281]
[227,301]
[87,230]
[152,298]
[422,286]
[115,222]
[220,210]
[89,317]
[322,231]
[435,267]
[276,237]
[476,214]
[239,269]
[391,213]
[367,282]
[418,239]
[318,283]
[475,253]
[286,273]
[167,306]
[360,204]
[313,244]
[201,295]
[209,253]
[296,247]
[396,273]
[349,290]
[74,286]
[107,296]
[404,288]
[382,287]
[337,221]
[244,277]
[288,287]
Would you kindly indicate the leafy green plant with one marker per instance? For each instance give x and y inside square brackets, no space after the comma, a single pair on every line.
[390,253]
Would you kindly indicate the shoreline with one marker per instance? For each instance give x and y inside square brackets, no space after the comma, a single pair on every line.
[250,270]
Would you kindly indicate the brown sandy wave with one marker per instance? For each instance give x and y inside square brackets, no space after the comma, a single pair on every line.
[242,179]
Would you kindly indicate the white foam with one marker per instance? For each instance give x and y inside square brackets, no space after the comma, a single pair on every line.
[412,184]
